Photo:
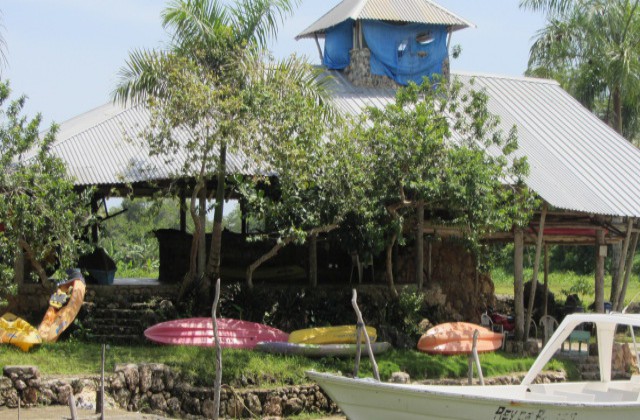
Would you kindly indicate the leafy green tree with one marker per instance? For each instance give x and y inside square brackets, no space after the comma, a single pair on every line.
[439,149]
[203,83]
[41,215]
[318,176]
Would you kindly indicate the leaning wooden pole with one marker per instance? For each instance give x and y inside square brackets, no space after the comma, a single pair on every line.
[374,365]
[617,282]
[518,283]
[536,266]
[216,338]
[627,274]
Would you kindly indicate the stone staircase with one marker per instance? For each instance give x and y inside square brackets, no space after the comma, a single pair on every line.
[590,371]
[120,314]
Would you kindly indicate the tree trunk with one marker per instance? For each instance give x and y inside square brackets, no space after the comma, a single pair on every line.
[202,245]
[536,265]
[197,234]
[622,259]
[313,261]
[601,250]
[35,263]
[389,265]
[518,284]
[420,246]
[216,337]
[277,247]
[213,266]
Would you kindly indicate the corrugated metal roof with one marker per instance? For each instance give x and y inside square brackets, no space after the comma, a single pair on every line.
[577,162]
[414,11]
[103,147]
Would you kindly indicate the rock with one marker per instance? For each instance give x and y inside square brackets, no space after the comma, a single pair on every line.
[30,396]
[63,392]
[293,406]
[20,384]
[145,376]
[253,404]
[130,373]
[173,405]
[158,402]
[273,407]
[400,378]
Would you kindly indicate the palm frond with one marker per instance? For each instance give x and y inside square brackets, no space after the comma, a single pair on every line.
[141,76]
[258,20]
[195,23]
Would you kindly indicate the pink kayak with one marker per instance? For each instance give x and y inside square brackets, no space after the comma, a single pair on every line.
[233,333]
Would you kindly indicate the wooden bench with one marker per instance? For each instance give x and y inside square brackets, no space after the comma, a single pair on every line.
[578,337]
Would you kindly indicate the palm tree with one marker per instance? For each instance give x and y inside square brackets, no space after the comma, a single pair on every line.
[222,45]
[593,47]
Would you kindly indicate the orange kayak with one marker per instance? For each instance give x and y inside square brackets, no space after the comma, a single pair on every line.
[457,338]
[62,312]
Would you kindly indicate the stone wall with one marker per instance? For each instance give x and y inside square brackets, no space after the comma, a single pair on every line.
[33,300]
[359,71]
[154,388]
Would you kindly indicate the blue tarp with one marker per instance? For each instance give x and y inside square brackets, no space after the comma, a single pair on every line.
[338,43]
[396,53]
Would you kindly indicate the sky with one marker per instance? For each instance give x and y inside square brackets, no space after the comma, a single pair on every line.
[65,55]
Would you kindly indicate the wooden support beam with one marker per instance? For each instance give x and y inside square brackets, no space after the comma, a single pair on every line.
[546,279]
[183,210]
[601,253]
[518,284]
[313,261]
[536,265]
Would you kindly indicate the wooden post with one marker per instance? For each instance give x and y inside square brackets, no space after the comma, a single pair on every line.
[601,253]
[356,367]
[536,265]
[420,246]
[94,227]
[429,262]
[72,407]
[216,338]
[183,210]
[615,292]
[354,303]
[546,280]
[313,261]
[100,400]
[518,284]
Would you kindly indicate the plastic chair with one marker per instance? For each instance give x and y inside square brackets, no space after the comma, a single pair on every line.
[548,325]
[485,321]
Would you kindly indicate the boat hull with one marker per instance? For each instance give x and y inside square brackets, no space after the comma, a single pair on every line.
[319,350]
[457,338]
[342,334]
[233,333]
[362,399]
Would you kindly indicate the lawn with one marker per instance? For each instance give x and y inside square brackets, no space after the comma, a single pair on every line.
[563,283]
[197,364]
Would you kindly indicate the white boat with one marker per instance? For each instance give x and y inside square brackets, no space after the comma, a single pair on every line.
[367,399]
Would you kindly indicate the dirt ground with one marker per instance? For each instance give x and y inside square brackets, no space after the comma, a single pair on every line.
[61,412]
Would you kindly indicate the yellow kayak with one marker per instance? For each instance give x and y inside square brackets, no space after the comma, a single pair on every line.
[344,334]
[17,331]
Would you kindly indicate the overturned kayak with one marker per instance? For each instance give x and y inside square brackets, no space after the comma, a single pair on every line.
[233,333]
[64,306]
[457,338]
[343,334]
[17,331]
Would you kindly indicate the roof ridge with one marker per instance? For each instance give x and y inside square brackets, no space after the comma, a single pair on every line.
[506,77]
[444,9]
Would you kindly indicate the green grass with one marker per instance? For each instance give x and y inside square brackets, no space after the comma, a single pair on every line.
[197,364]
[562,282]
